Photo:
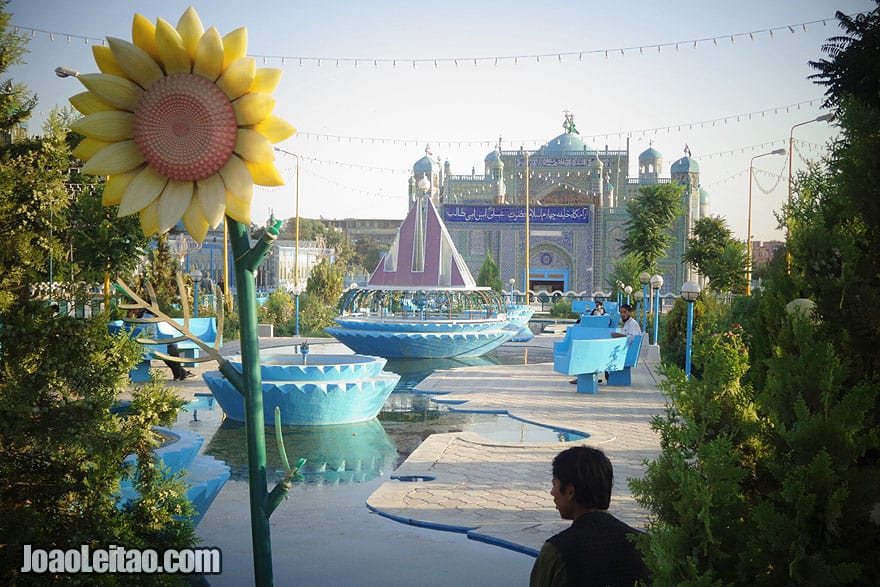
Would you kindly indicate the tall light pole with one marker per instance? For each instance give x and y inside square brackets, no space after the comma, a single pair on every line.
[528,275]
[828,117]
[297,290]
[196,277]
[690,291]
[656,284]
[749,224]
[296,229]
[644,279]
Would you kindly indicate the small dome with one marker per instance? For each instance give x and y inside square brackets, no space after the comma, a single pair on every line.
[565,144]
[596,163]
[649,154]
[685,165]
[426,164]
[493,160]
[704,196]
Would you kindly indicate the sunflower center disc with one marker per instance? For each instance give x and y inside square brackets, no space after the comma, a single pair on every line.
[185,127]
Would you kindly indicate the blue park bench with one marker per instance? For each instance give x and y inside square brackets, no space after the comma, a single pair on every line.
[583,308]
[587,352]
[141,372]
[205,329]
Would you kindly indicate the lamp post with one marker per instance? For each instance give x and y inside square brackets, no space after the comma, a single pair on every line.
[297,290]
[645,280]
[196,277]
[829,117]
[639,298]
[627,289]
[749,224]
[690,291]
[528,269]
[656,284]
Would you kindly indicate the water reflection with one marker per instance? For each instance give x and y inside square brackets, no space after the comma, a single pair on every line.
[339,454]
[357,453]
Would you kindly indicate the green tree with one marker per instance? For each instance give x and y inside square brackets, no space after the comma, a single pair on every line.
[489,275]
[714,252]
[325,283]
[770,477]
[368,253]
[62,451]
[648,229]
[33,208]
[626,271]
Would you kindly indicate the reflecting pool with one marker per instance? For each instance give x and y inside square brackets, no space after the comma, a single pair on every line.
[357,453]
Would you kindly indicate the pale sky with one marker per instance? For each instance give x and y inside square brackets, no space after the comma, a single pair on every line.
[345,109]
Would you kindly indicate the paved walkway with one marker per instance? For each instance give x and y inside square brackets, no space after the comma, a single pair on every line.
[500,492]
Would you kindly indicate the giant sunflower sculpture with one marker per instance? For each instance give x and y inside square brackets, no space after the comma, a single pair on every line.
[180,120]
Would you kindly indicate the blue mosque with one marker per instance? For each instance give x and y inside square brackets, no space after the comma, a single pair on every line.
[575,196]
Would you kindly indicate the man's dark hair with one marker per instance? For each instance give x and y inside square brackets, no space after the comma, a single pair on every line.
[590,471]
[599,303]
[626,307]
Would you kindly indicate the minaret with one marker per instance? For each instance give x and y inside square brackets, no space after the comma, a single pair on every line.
[495,171]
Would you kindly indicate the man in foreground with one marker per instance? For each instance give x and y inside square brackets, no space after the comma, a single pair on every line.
[596,550]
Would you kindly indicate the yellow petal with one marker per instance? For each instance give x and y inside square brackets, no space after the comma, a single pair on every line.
[137,63]
[252,108]
[107,125]
[238,181]
[89,103]
[266,80]
[173,202]
[174,56]
[87,148]
[195,222]
[265,174]
[115,158]
[211,196]
[142,190]
[105,60]
[143,34]
[114,187]
[239,208]
[190,28]
[234,46]
[208,61]
[253,146]
[238,77]
[275,129]
[112,89]
[150,218]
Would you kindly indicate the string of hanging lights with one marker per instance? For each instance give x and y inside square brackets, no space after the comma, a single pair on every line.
[492,60]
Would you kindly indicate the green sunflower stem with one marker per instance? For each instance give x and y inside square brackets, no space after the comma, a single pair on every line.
[247,260]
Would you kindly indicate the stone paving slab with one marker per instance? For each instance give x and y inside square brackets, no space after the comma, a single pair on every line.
[500,492]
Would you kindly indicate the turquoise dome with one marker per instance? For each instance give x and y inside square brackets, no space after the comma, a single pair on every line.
[565,144]
[493,160]
[685,165]
[426,165]
[704,196]
[650,153]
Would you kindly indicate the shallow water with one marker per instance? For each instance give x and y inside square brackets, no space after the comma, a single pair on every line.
[324,534]
[359,452]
